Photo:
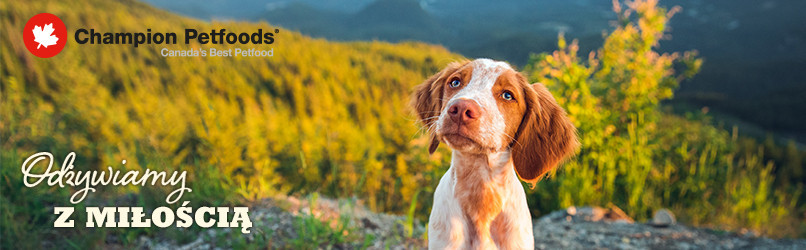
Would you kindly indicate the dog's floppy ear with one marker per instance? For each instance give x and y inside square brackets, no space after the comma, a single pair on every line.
[545,137]
[427,100]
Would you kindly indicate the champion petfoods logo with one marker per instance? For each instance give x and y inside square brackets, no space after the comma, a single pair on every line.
[45,35]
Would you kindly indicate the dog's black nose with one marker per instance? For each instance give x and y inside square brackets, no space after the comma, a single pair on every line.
[463,111]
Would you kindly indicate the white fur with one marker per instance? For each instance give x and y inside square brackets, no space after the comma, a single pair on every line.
[479,89]
[447,211]
[448,226]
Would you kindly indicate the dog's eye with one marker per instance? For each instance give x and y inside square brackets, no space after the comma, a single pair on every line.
[506,95]
[454,83]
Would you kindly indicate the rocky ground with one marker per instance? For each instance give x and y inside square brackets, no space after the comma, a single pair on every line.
[344,224]
[596,228]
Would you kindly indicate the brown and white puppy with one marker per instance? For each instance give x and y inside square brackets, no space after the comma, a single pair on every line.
[499,128]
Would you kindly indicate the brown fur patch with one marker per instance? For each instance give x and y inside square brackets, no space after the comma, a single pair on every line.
[500,228]
[545,137]
[512,110]
[428,99]
[479,190]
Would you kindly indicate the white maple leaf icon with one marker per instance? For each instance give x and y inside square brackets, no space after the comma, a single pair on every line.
[44,35]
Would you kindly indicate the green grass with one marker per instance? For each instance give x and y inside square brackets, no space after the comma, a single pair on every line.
[313,233]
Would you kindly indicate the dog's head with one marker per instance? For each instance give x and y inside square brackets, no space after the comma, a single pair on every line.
[485,106]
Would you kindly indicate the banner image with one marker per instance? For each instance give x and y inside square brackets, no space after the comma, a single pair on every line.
[402,124]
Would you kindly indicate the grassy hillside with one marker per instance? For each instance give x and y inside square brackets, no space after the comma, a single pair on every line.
[330,118]
[755,49]
[318,116]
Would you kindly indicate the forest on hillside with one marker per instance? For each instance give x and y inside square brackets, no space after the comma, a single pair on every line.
[755,49]
[330,118]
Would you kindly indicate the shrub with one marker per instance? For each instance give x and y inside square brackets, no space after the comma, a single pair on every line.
[638,157]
